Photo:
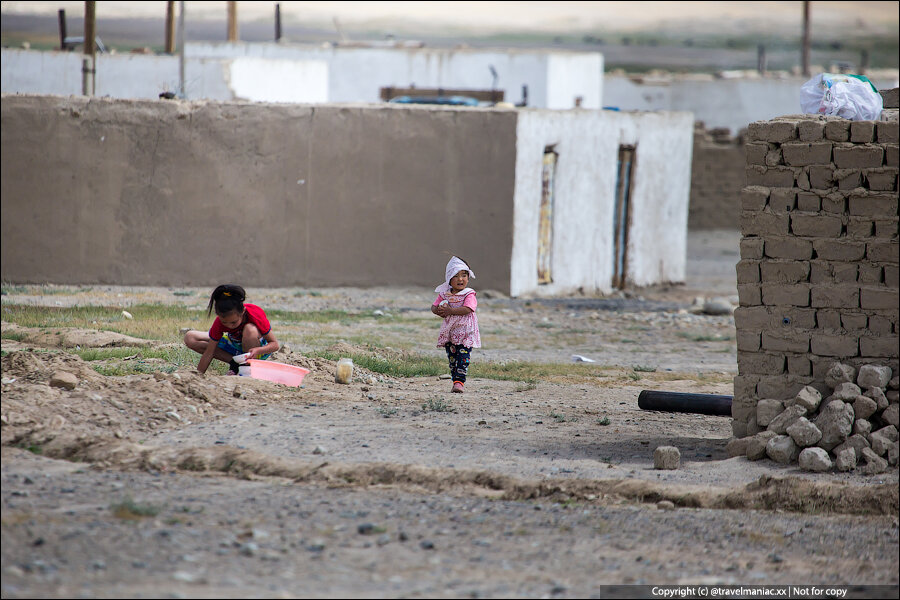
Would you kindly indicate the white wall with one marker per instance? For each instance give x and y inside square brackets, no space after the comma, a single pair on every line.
[731,103]
[587,142]
[553,78]
[136,76]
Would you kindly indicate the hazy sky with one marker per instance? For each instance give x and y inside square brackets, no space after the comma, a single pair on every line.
[557,16]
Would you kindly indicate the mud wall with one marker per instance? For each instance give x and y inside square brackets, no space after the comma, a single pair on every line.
[718,174]
[818,276]
[194,193]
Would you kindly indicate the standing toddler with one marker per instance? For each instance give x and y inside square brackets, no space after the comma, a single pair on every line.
[456,304]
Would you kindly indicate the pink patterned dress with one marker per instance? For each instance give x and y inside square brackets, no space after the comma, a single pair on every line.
[461,330]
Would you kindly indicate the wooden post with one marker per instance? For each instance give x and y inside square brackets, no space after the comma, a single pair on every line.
[761,62]
[62,29]
[277,22]
[170,27]
[88,65]
[805,53]
[232,22]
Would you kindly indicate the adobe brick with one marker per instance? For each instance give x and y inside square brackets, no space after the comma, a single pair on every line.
[747,341]
[799,364]
[742,408]
[752,318]
[828,319]
[756,153]
[810,131]
[848,179]
[783,199]
[879,298]
[760,363]
[869,273]
[807,201]
[837,131]
[833,249]
[785,341]
[834,203]
[882,179]
[856,157]
[799,318]
[891,276]
[834,296]
[881,347]
[802,179]
[777,294]
[883,251]
[747,271]
[751,248]
[788,247]
[873,204]
[749,294]
[821,177]
[756,131]
[780,131]
[862,132]
[816,225]
[881,325]
[839,346]
[764,223]
[801,154]
[745,387]
[892,155]
[860,227]
[754,197]
[820,272]
[887,132]
[783,271]
[854,321]
[781,387]
[886,228]
[770,176]
[774,156]
[844,272]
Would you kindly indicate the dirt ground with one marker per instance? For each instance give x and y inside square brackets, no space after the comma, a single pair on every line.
[172,484]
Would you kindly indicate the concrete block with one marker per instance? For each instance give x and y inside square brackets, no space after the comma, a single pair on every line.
[816,225]
[760,363]
[882,251]
[809,202]
[799,364]
[754,197]
[862,132]
[837,296]
[878,347]
[780,131]
[763,223]
[666,457]
[878,298]
[782,271]
[869,273]
[747,341]
[858,157]
[854,321]
[877,204]
[751,248]
[785,294]
[837,131]
[821,177]
[756,153]
[888,132]
[782,449]
[747,271]
[788,247]
[840,346]
[749,294]
[882,178]
[833,249]
[801,154]
[810,131]
[784,341]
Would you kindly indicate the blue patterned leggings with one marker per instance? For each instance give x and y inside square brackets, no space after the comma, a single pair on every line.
[459,361]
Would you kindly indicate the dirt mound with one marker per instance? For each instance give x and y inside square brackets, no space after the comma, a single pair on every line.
[61,337]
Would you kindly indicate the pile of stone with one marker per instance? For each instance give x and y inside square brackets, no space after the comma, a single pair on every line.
[855,427]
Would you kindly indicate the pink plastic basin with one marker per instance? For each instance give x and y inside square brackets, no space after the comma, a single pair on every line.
[277,372]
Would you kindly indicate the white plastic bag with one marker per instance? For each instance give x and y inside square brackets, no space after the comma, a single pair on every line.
[840,96]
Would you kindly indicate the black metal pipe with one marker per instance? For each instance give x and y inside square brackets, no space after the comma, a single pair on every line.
[704,404]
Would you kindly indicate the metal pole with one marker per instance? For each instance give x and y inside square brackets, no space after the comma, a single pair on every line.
[181,92]
[277,22]
[806,38]
[170,27]
[232,22]
[88,66]
[62,29]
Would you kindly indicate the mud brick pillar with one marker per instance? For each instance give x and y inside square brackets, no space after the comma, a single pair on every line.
[818,274]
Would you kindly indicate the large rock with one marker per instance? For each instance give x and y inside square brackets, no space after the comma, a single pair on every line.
[880,443]
[877,394]
[815,459]
[890,433]
[64,380]
[846,460]
[862,426]
[666,457]
[873,376]
[809,398]
[894,383]
[874,463]
[782,449]
[892,415]
[846,391]
[864,407]
[855,442]
[835,421]
[894,454]
[737,447]
[756,446]
[766,410]
[839,373]
[780,423]
[804,433]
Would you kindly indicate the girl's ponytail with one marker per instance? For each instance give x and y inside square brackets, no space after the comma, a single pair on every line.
[225,299]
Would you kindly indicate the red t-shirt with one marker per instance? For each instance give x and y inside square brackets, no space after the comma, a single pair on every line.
[252,314]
